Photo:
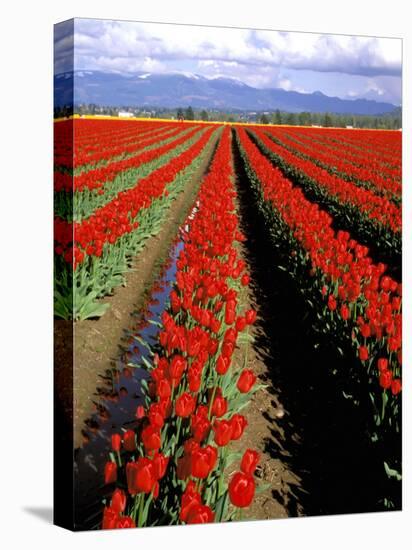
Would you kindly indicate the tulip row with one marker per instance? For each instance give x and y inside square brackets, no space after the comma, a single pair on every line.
[355,300]
[386,145]
[374,220]
[93,255]
[63,177]
[92,136]
[377,209]
[82,204]
[338,163]
[171,469]
[372,159]
[112,147]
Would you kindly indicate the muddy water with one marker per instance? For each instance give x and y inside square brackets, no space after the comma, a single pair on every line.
[117,398]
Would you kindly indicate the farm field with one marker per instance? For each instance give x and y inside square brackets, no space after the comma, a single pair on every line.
[235,294]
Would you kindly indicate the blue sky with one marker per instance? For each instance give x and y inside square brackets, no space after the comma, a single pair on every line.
[349,67]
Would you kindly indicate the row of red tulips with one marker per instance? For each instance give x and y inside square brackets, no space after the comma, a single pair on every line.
[375,160]
[171,469]
[378,209]
[363,222]
[93,255]
[74,139]
[353,168]
[79,206]
[354,296]
[110,145]
[63,176]
[388,145]
[109,223]
[96,177]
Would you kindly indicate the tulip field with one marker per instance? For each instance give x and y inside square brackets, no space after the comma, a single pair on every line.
[329,202]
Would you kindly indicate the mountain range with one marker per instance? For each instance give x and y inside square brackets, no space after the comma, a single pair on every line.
[173,90]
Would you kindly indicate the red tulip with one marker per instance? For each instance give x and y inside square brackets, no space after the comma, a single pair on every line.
[140,412]
[222,365]
[163,389]
[125,522]
[160,463]
[396,386]
[331,302]
[382,364]
[141,476]
[118,502]
[246,381]
[200,513]
[203,461]
[219,407]
[116,442]
[223,432]
[151,438]
[190,498]
[385,379]
[344,312]
[249,462]
[250,316]
[241,490]
[185,405]
[363,353]
[110,517]
[129,441]
[241,324]
[110,472]
[238,423]
[156,415]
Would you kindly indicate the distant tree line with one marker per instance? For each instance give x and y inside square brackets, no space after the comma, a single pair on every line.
[391,120]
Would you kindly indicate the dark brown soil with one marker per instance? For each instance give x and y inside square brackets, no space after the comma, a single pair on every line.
[97,341]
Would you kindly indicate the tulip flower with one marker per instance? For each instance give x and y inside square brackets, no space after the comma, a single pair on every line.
[118,501]
[160,463]
[241,490]
[110,472]
[363,353]
[141,476]
[250,316]
[125,522]
[396,386]
[238,424]
[223,432]
[219,406]
[200,513]
[203,461]
[190,498]
[110,517]
[129,441]
[151,438]
[385,379]
[249,462]
[116,442]
[185,405]
[246,381]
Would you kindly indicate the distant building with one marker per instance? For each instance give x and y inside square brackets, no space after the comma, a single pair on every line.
[349,126]
[125,114]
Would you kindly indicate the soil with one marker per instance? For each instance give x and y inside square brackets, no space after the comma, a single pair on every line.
[97,341]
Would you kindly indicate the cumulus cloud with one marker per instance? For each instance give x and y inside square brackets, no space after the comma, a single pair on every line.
[63,46]
[259,58]
[121,41]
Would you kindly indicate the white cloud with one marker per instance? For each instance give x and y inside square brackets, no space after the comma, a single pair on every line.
[326,53]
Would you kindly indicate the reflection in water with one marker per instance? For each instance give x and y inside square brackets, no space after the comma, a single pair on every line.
[117,400]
